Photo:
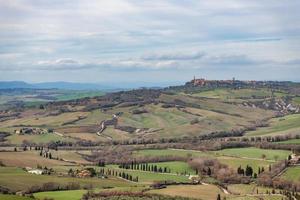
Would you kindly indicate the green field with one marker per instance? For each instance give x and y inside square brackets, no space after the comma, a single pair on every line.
[292,173]
[61,195]
[10,177]
[236,94]
[296,100]
[35,97]
[77,194]
[149,177]
[255,153]
[248,157]
[244,189]
[204,192]
[243,162]
[176,167]
[289,124]
[144,176]
[172,152]
[42,138]
[13,197]
[292,141]
[77,94]
[213,115]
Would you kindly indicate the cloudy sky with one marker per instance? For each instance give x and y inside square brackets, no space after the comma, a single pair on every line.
[149,41]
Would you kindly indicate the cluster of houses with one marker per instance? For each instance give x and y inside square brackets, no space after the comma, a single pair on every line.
[32,131]
[39,171]
[84,174]
[203,82]
[233,82]
[294,159]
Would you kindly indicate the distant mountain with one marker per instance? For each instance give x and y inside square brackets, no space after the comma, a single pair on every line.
[73,86]
[15,84]
[54,85]
[113,86]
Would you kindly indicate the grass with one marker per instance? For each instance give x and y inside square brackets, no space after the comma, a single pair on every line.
[176,167]
[77,94]
[243,162]
[17,179]
[244,189]
[292,141]
[205,192]
[213,115]
[13,197]
[255,153]
[144,176]
[61,195]
[172,152]
[260,197]
[292,174]
[296,100]
[289,124]
[77,194]
[234,94]
[42,138]
[150,177]
[233,162]
[70,156]
[28,159]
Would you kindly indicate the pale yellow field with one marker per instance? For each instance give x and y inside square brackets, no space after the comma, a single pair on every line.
[44,120]
[28,159]
[205,192]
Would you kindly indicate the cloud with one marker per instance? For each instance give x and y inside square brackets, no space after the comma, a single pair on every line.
[164,61]
[148,35]
[174,56]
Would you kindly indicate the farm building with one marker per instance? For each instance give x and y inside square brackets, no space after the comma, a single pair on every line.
[84,174]
[295,159]
[36,171]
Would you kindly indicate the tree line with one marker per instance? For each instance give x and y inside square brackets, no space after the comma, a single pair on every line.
[145,167]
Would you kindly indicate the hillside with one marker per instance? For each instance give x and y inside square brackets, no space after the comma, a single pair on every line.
[186,111]
[183,142]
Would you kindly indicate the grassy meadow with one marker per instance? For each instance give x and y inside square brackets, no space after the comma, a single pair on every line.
[255,153]
[289,124]
[10,177]
[13,197]
[232,157]
[204,192]
[292,173]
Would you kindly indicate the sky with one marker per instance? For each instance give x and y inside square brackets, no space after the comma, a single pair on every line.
[165,41]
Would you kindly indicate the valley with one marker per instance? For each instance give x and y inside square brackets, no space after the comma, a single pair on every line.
[236,141]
